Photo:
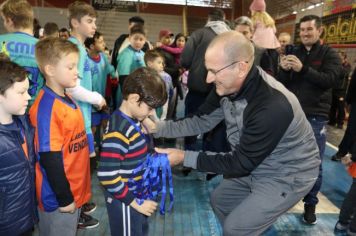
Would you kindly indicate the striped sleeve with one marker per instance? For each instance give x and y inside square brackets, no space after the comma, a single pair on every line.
[112,166]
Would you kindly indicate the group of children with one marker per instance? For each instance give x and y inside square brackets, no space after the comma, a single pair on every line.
[51,100]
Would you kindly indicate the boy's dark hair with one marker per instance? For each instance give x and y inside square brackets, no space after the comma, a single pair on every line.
[50,28]
[10,73]
[310,18]
[151,55]
[79,9]
[137,29]
[91,41]
[36,28]
[64,30]
[216,15]
[147,83]
[137,20]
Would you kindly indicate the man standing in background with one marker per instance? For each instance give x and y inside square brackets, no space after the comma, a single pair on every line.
[310,72]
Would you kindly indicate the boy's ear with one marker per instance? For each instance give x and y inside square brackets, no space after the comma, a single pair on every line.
[49,70]
[133,98]
[9,23]
[74,23]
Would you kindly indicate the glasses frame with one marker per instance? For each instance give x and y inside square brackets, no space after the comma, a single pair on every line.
[225,67]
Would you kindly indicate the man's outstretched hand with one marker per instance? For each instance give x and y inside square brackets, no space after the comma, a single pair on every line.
[175,156]
[150,125]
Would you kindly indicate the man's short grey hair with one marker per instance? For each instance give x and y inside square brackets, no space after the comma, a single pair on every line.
[235,46]
[244,20]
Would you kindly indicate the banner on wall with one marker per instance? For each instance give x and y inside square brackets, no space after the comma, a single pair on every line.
[117,5]
[336,6]
[338,28]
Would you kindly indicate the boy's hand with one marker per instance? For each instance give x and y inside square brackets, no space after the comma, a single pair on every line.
[68,209]
[175,156]
[101,104]
[147,207]
[150,125]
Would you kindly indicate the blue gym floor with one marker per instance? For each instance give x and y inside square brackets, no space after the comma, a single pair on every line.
[193,216]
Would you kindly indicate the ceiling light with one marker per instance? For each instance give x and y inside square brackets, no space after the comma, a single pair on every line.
[294,12]
[310,7]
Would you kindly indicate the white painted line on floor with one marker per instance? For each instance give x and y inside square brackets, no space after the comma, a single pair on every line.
[332,146]
[324,206]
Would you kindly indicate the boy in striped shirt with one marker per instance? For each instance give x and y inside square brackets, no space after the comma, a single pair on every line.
[124,150]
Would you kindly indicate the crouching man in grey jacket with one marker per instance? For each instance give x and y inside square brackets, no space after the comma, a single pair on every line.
[274,160]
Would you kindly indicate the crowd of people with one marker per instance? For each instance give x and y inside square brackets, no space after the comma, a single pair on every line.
[70,107]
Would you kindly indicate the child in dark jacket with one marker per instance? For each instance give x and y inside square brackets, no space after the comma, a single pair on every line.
[17,158]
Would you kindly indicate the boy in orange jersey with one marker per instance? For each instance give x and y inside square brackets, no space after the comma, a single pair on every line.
[62,170]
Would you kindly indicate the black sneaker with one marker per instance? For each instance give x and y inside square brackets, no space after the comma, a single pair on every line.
[351,232]
[89,207]
[186,170]
[337,157]
[87,221]
[309,216]
[210,176]
[341,228]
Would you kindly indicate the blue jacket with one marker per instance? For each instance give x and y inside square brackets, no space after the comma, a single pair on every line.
[17,179]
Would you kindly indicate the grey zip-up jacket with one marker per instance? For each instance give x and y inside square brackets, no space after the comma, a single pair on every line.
[266,128]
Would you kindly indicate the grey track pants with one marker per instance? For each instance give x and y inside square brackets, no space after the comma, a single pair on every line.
[250,205]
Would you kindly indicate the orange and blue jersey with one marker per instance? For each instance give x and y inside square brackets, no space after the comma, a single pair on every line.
[60,127]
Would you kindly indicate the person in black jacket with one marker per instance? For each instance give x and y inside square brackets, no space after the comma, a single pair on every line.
[192,59]
[310,74]
[337,110]
[17,156]
[350,134]
[123,40]
[270,167]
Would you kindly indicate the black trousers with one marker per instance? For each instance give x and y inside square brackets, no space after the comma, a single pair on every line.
[337,111]
[349,137]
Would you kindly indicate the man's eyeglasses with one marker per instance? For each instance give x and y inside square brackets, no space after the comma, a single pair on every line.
[215,72]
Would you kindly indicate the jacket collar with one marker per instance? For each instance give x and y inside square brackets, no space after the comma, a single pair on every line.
[19,120]
[246,90]
[313,47]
